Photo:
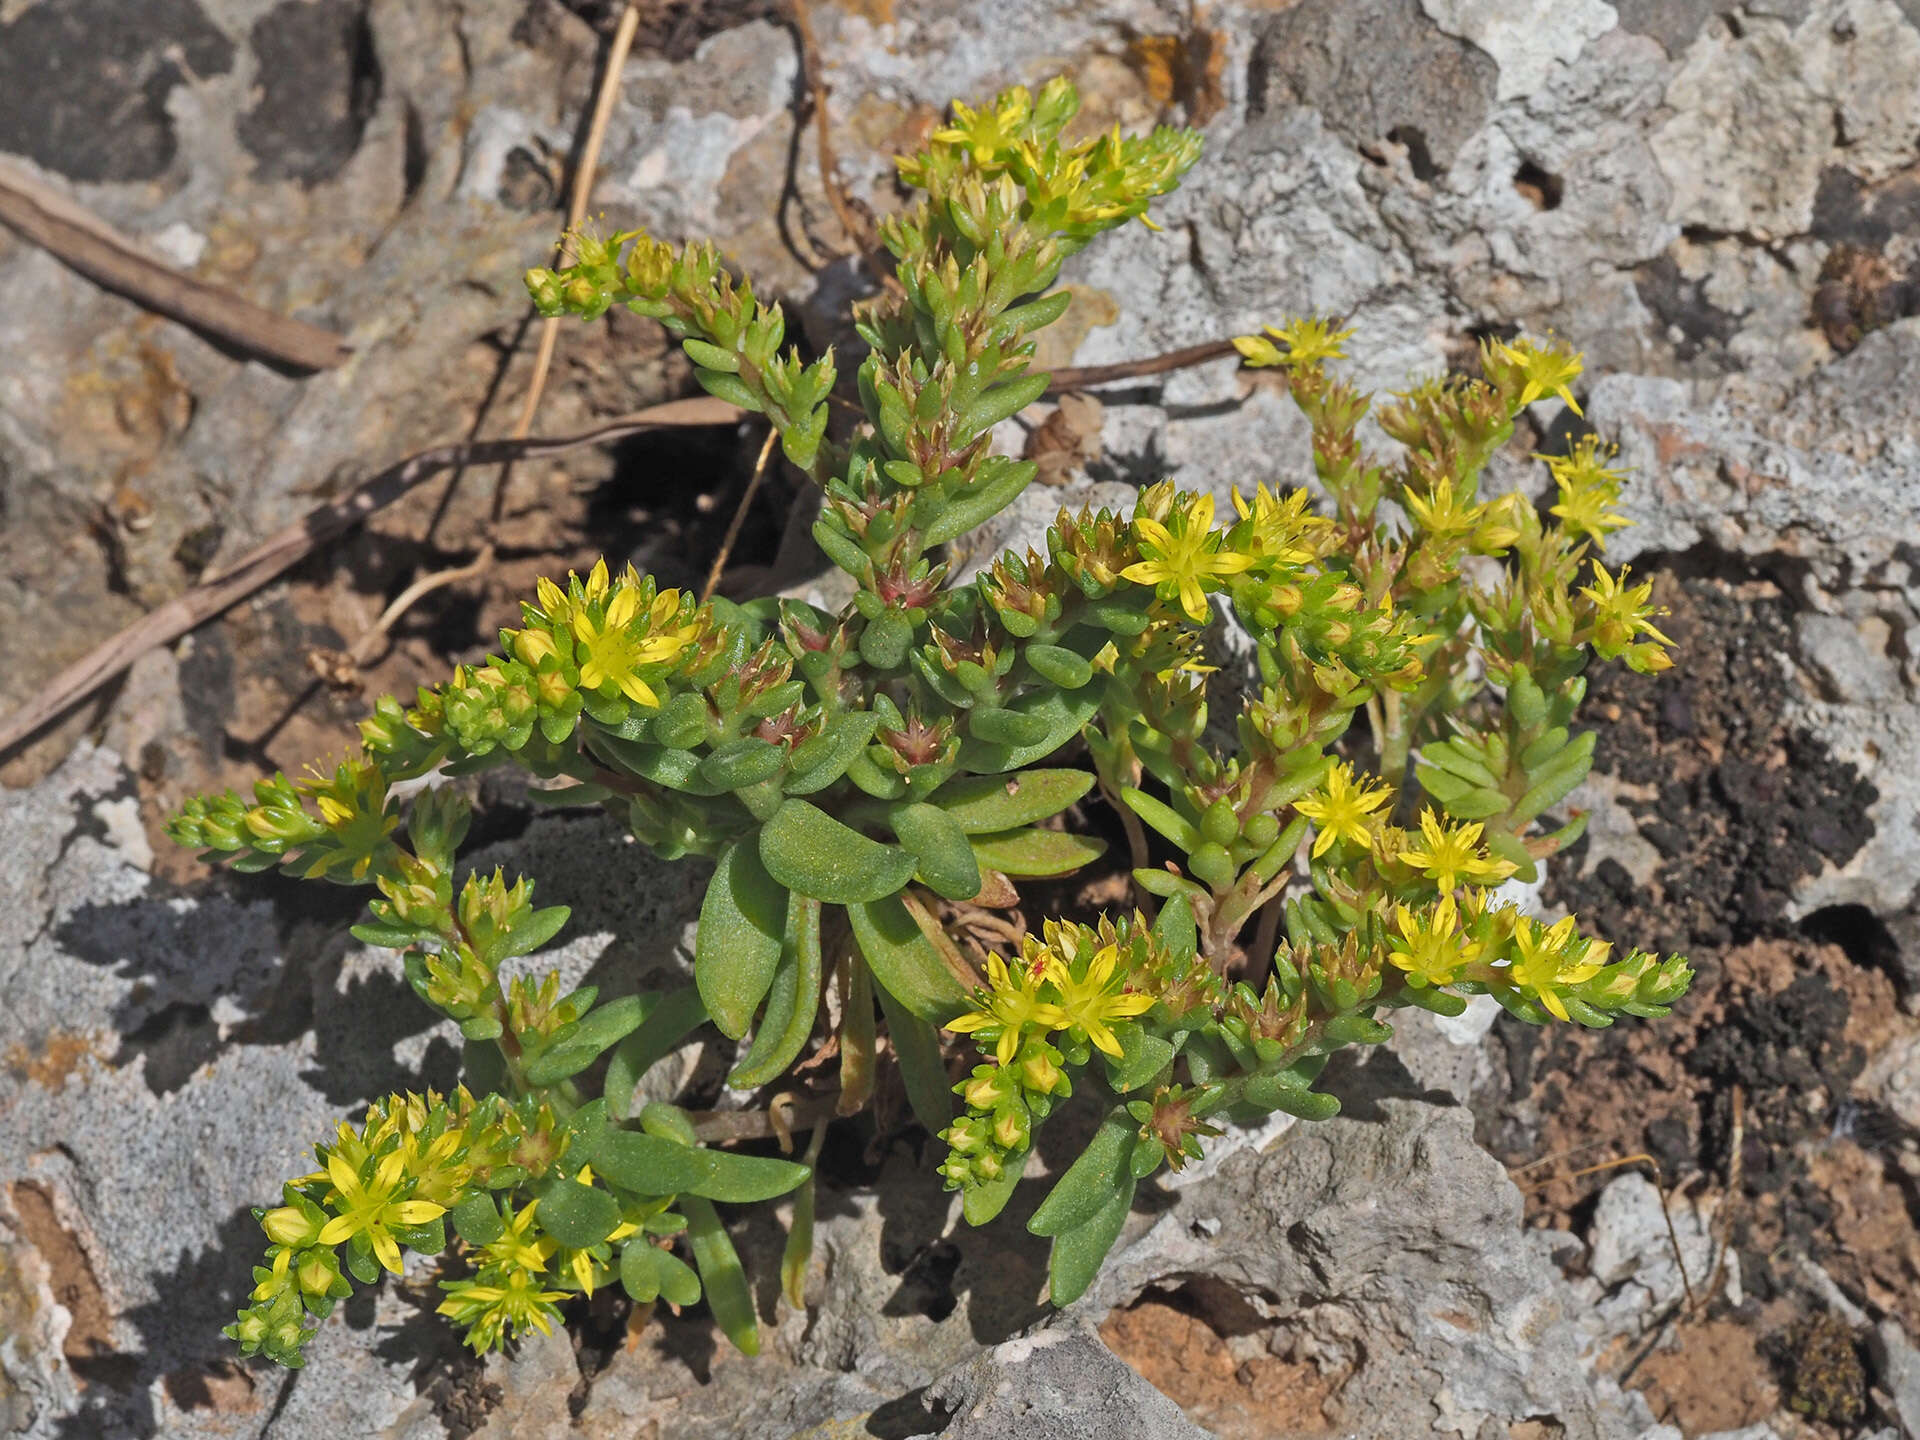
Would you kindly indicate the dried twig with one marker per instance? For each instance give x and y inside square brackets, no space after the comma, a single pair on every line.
[1079,378]
[288,547]
[369,646]
[82,241]
[719,1126]
[739,516]
[859,231]
[1736,1169]
[543,357]
[1659,1185]
[577,203]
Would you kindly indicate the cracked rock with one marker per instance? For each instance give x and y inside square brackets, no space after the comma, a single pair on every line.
[1062,1382]
[1388,1239]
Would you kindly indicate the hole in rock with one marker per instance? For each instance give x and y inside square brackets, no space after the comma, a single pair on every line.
[1542,188]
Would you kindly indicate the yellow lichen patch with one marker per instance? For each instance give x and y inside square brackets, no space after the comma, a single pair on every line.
[50,1062]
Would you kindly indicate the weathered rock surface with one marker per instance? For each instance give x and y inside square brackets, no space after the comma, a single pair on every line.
[1060,1382]
[1725,213]
[168,1060]
[1388,1243]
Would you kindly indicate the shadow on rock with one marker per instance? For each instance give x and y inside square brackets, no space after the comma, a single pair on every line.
[181,1342]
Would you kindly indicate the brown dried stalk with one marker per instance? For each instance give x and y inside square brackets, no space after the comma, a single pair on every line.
[82,241]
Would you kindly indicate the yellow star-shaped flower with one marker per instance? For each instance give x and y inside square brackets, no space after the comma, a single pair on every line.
[1009,1007]
[1343,810]
[1184,557]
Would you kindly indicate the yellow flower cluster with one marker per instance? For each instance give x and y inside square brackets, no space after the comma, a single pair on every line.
[1348,809]
[1185,556]
[1073,189]
[1078,979]
[382,1186]
[1588,488]
[1500,949]
[1071,979]
[1622,617]
[1310,344]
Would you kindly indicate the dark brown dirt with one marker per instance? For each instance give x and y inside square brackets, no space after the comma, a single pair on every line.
[1739,804]
[1769,1045]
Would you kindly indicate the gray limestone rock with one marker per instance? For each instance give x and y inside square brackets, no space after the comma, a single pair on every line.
[1388,1240]
[166,1061]
[1896,1366]
[1061,1382]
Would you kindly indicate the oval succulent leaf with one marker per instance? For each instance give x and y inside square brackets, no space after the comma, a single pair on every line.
[722,1276]
[742,927]
[936,841]
[651,1165]
[1037,852]
[818,762]
[916,1045]
[792,1002]
[811,853]
[578,1215]
[1077,1253]
[1089,1182]
[905,962]
[982,804]
[1066,713]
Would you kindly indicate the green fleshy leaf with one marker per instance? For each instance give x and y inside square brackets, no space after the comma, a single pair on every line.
[675,769]
[1037,852]
[818,762]
[386,937]
[940,849]
[477,1221]
[722,1276]
[742,926]
[1000,482]
[578,1215]
[1078,1253]
[533,932]
[1164,818]
[1175,927]
[984,804]
[670,1020]
[905,962]
[1009,728]
[792,1002]
[1066,713]
[916,1045]
[981,1203]
[811,853]
[560,1063]
[651,1165]
[1065,668]
[747,761]
[1143,1057]
[640,1271]
[797,1253]
[1089,1182]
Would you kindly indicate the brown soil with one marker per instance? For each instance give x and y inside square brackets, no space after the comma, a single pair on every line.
[89,1345]
[1713,1379]
[1259,1397]
[1769,1045]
